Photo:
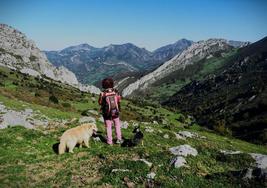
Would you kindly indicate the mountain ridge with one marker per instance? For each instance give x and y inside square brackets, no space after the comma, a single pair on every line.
[193,53]
[19,53]
[89,65]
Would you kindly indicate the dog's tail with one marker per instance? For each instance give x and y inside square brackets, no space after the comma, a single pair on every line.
[61,147]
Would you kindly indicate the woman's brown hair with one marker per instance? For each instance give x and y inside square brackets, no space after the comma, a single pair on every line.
[107,83]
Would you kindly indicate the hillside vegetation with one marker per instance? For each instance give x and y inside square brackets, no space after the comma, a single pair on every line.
[200,70]
[233,99]
[28,157]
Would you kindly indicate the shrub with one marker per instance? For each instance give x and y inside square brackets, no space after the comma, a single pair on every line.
[181,118]
[220,127]
[37,95]
[66,105]
[53,99]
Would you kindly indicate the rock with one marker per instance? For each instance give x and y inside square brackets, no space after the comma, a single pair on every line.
[178,162]
[128,183]
[3,108]
[149,164]
[38,122]
[149,129]
[187,134]
[254,173]
[166,136]
[145,123]
[96,139]
[13,118]
[89,88]
[164,122]
[230,152]
[73,120]
[135,124]
[120,170]
[252,98]
[93,112]
[101,119]
[87,120]
[151,175]
[179,137]
[183,150]
[30,72]
[124,124]
[155,122]
[28,110]
[160,131]
[261,160]
[19,138]
[26,118]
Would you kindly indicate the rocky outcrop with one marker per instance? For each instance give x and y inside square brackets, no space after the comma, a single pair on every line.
[19,53]
[237,44]
[194,53]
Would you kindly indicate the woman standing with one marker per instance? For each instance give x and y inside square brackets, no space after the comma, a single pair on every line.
[109,100]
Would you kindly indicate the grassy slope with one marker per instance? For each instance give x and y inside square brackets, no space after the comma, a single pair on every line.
[167,87]
[27,157]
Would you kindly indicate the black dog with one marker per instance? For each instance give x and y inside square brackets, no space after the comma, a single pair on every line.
[138,137]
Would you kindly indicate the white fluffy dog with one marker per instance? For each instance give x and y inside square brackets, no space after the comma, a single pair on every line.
[77,135]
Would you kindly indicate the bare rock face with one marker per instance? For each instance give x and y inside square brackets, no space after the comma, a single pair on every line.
[195,52]
[89,88]
[19,53]
[183,150]
[178,162]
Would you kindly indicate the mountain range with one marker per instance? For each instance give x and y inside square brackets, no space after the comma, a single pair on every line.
[166,78]
[125,63]
[92,64]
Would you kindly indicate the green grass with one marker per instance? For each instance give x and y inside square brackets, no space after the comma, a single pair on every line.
[27,158]
[48,111]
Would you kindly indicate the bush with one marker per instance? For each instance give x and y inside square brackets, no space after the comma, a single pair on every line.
[85,113]
[181,118]
[220,127]
[66,105]
[53,99]
[37,95]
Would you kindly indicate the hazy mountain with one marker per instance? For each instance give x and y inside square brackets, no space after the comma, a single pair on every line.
[169,51]
[232,100]
[93,64]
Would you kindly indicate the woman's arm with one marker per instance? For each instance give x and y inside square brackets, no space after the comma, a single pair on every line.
[100,98]
[119,101]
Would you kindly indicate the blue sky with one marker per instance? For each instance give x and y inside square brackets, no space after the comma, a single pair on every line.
[56,24]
